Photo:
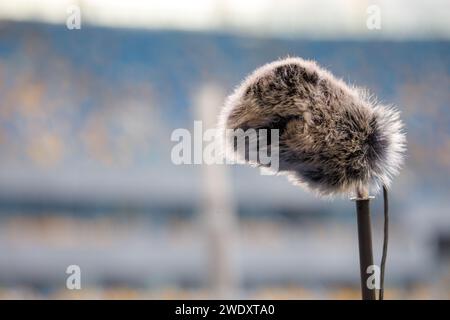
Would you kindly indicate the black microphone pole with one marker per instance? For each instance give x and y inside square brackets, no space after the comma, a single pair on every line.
[365,242]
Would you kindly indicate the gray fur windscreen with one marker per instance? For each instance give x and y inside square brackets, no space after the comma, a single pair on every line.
[333,138]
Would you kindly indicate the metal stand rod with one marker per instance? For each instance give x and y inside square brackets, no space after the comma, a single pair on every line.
[365,246]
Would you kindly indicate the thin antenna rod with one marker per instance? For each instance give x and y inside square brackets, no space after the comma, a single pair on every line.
[385,241]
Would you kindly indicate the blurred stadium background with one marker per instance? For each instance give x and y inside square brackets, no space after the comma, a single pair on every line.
[86,176]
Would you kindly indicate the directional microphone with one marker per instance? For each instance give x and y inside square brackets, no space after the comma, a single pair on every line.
[333,138]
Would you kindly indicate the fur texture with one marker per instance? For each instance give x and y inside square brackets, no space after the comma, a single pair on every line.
[333,138]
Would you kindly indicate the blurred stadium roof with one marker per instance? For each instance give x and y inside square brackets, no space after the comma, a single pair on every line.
[401,19]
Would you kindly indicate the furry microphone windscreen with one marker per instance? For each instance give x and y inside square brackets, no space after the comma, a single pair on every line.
[333,138]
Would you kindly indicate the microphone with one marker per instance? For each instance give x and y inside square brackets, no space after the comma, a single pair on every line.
[333,138]
[330,137]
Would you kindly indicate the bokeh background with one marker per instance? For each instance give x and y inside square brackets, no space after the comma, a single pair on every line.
[86,176]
